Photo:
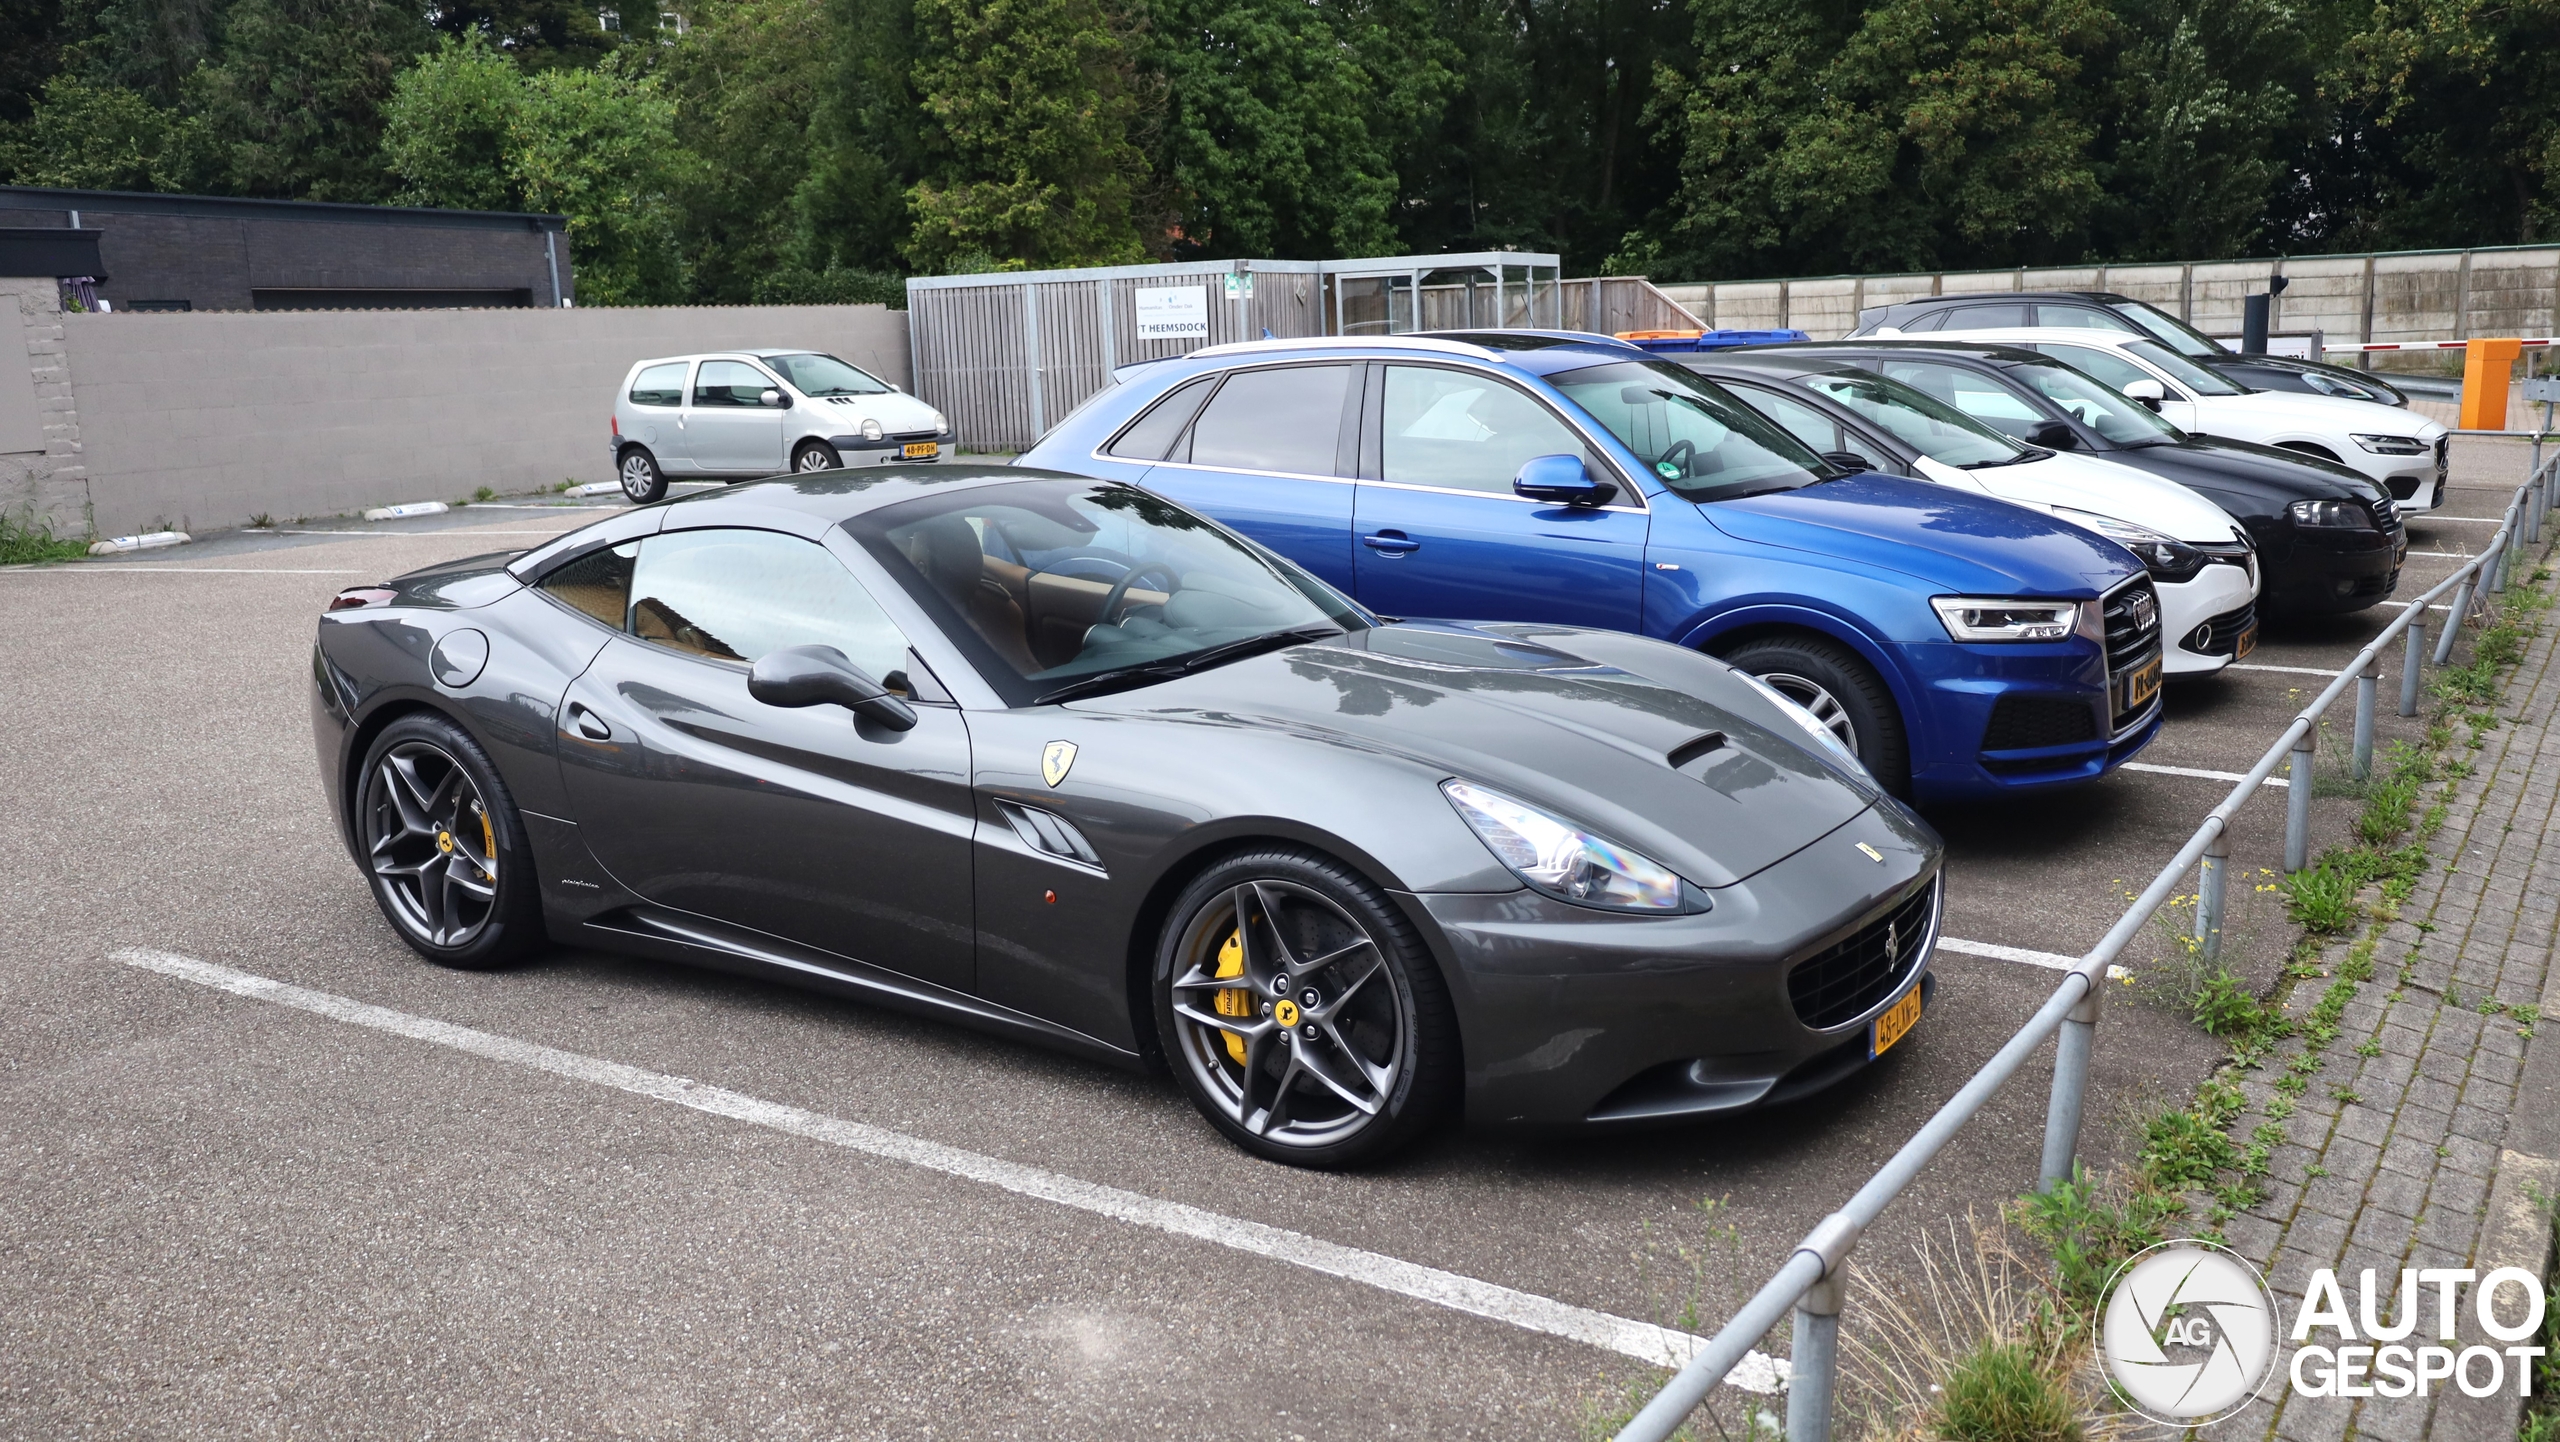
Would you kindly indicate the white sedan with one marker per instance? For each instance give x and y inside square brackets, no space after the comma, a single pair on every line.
[2402,450]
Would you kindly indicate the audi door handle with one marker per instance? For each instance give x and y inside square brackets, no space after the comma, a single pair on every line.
[1391,543]
[589,724]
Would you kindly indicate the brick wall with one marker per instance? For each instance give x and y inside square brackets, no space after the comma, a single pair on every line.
[47,486]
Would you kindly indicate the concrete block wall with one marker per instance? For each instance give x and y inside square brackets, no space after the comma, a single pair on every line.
[43,476]
[207,420]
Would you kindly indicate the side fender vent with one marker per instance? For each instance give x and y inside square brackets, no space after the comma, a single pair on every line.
[1049,834]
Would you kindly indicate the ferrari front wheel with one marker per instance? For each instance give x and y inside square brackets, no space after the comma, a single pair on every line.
[443,846]
[1301,1012]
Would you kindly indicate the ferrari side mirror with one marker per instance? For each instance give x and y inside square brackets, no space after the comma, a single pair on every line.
[822,676]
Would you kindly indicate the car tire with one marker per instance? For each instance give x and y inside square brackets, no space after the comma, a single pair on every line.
[1842,692]
[641,479]
[815,456]
[1321,950]
[443,846]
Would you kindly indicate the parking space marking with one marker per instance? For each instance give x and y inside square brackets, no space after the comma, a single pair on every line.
[2203,775]
[2428,516]
[409,535]
[2289,670]
[2444,555]
[2049,960]
[1657,1346]
[145,568]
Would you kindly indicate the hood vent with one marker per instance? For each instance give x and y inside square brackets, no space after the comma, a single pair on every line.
[1695,747]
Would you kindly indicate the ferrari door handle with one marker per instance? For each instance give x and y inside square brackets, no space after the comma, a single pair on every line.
[589,724]
[1391,543]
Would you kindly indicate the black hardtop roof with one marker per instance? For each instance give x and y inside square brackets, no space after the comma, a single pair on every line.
[1971,350]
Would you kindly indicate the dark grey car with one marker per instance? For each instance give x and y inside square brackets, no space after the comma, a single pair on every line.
[1056,758]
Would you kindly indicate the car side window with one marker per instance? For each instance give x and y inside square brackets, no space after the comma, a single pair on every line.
[1286,418]
[2106,367]
[1818,432]
[598,583]
[1986,317]
[659,385]
[2087,317]
[733,595]
[1465,431]
[1976,395]
[730,383]
[1153,434]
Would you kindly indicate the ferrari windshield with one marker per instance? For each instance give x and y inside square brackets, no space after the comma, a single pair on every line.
[823,375]
[1060,587]
[1702,442]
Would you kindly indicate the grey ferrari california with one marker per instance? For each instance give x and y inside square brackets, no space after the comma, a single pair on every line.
[1057,758]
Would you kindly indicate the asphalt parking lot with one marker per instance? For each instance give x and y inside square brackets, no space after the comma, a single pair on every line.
[227,1216]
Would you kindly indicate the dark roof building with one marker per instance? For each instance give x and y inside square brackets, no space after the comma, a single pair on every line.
[205,252]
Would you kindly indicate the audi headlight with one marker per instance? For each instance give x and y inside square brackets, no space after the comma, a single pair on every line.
[1563,861]
[871,430]
[1973,618]
[2392,445]
[2345,515]
[2166,558]
[941,424]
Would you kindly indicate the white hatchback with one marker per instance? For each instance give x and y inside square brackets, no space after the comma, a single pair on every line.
[2405,452]
[735,414]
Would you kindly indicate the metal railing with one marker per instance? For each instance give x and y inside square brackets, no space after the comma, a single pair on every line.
[1814,1281]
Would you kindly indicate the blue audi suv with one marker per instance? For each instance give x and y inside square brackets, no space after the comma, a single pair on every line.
[1961,647]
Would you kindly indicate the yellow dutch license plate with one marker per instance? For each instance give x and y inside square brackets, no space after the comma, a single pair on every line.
[2142,685]
[1895,1024]
[922,450]
[2248,643]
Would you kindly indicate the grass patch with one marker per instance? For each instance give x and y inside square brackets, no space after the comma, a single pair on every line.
[24,543]
[1999,1393]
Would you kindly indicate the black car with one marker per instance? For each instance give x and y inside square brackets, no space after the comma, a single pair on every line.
[2329,539]
[1056,758]
[2104,310]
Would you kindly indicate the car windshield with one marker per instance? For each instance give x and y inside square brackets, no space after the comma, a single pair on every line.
[1704,444]
[1060,586]
[817,375]
[2184,371]
[2180,336]
[1923,422]
[2095,406]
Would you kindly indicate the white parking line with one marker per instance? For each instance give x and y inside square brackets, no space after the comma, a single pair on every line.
[1658,1346]
[2466,520]
[140,568]
[2200,775]
[2444,555]
[2049,960]
[405,535]
[2289,670]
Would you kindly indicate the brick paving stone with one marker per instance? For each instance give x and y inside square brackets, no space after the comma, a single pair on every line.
[2460,1191]
[2366,1123]
[2397,1193]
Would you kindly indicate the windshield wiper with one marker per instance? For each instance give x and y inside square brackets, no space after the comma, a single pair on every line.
[1146,672]
[2031,453]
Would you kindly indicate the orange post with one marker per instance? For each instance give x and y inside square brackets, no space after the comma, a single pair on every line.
[2484,383]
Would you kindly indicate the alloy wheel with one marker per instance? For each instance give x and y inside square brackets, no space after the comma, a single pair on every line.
[432,844]
[1814,697]
[1289,1015]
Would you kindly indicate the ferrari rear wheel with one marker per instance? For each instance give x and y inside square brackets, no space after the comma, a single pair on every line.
[444,847]
[1301,1012]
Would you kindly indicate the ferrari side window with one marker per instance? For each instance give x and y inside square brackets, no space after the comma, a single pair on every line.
[598,583]
[733,595]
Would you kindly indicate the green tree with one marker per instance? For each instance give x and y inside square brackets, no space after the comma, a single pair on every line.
[292,107]
[446,127]
[850,212]
[2453,112]
[1031,107]
[745,81]
[88,137]
[2200,112]
[546,34]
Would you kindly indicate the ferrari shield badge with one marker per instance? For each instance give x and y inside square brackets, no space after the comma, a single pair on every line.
[1056,759]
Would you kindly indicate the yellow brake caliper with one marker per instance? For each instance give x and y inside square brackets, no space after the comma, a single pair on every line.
[489,844]
[1233,1001]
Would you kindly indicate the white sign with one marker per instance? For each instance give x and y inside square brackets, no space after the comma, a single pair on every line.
[1173,312]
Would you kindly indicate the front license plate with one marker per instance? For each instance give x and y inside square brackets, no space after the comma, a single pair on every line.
[2247,643]
[1895,1024]
[2142,685]
[923,450]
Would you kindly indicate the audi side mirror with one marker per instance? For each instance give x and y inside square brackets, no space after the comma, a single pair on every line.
[2148,391]
[1561,480]
[1849,460]
[2054,436]
[822,676]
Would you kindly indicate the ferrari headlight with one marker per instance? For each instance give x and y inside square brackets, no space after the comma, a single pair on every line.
[2392,445]
[2167,559]
[871,430]
[1972,618]
[1563,861]
[2345,515]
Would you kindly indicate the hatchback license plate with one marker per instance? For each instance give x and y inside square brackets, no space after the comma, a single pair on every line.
[2141,684]
[2247,643]
[922,450]
[1895,1024]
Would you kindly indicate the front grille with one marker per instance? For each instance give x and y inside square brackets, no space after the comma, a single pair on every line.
[2221,635]
[1847,979]
[2441,443]
[2132,614]
[2024,723]
[2386,515]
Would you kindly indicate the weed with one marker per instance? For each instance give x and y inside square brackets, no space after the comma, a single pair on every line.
[2321,898]
[2182,1150]
[484,494]
[2369,1047]
[30,542]
[2000,1394]
[2315,1171]
[262,522]
[2088,1231]
[2225,1009]
[2346,1094]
